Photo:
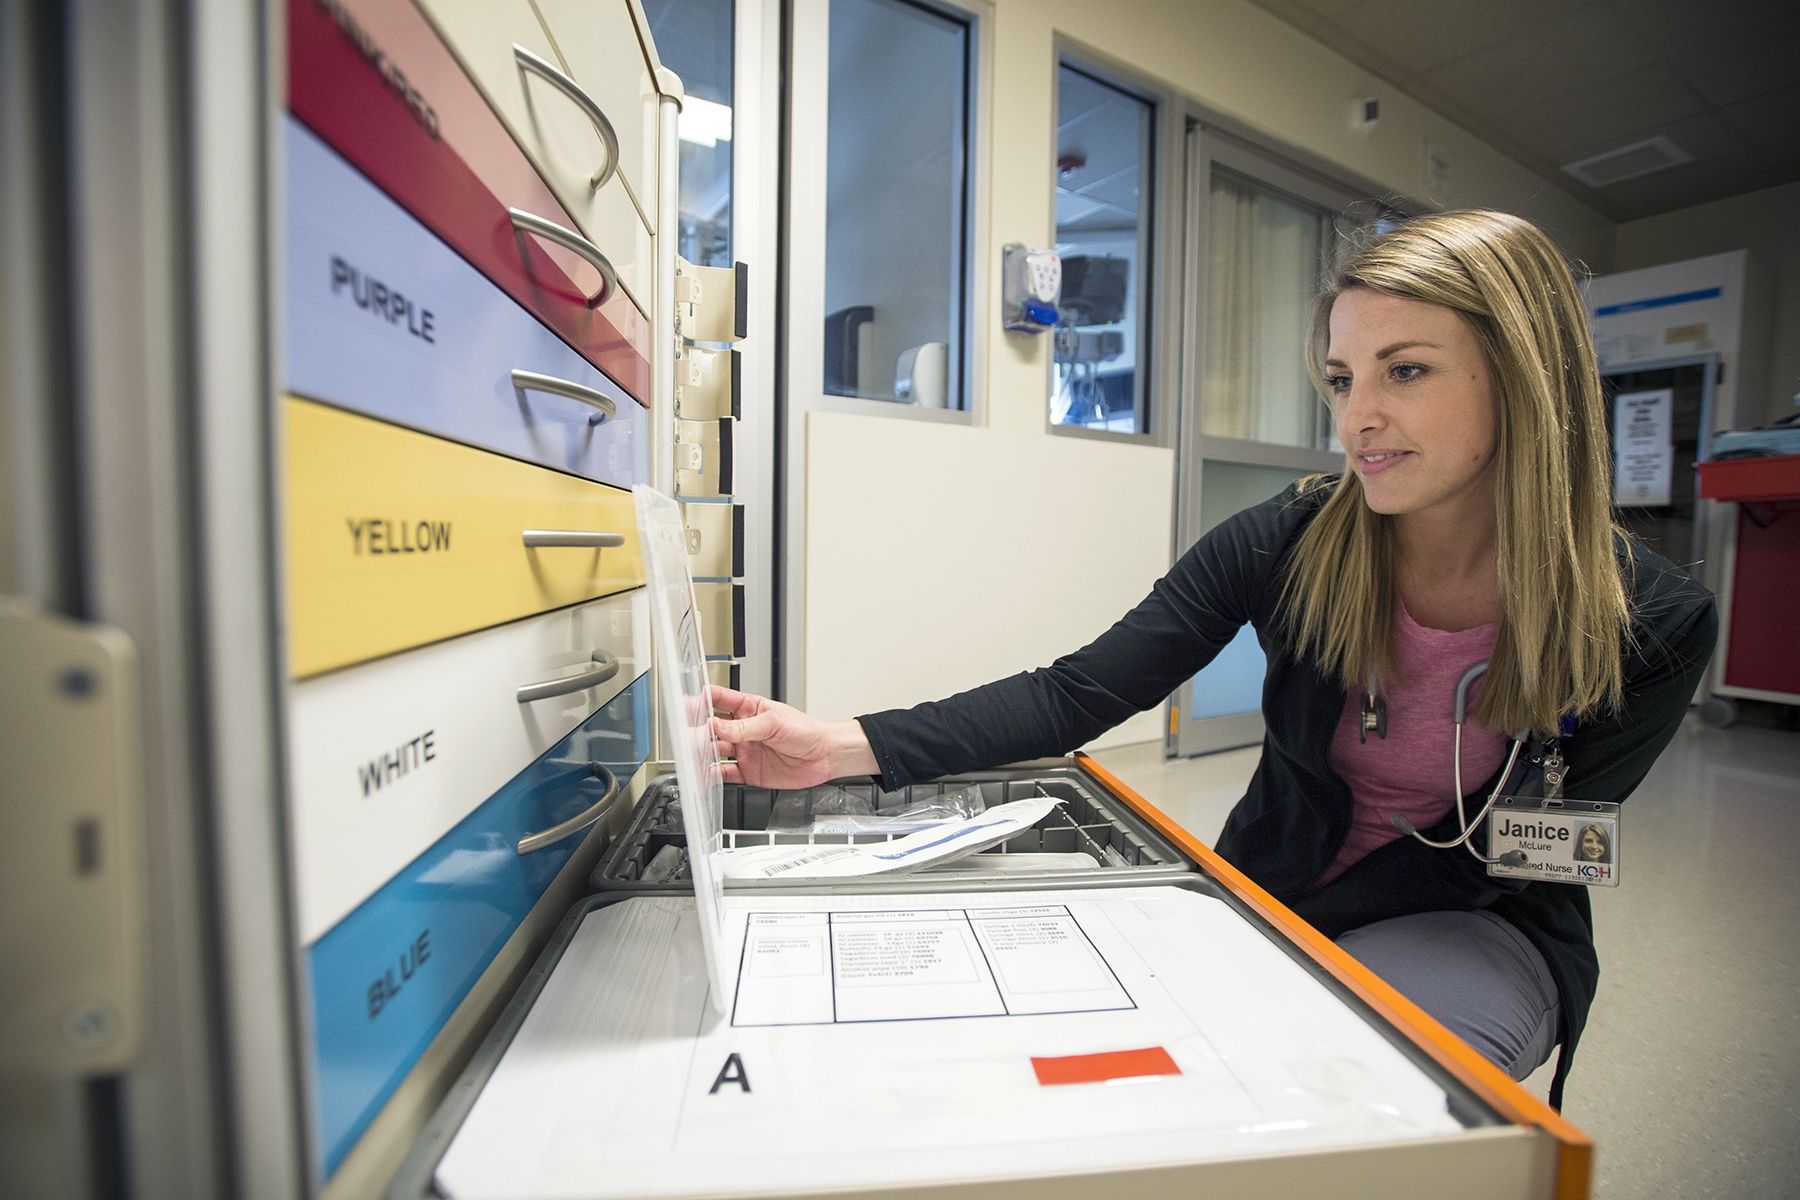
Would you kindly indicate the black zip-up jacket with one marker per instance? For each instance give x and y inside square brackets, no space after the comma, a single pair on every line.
[1287,828]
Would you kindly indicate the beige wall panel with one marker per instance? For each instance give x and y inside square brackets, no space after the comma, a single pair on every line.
[940,557]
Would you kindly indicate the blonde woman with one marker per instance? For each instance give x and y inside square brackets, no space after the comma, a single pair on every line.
[1472,524]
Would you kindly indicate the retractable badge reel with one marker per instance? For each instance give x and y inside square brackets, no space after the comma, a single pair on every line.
[1554,839]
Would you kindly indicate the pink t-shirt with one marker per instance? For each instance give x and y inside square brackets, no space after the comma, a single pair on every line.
[1408,771]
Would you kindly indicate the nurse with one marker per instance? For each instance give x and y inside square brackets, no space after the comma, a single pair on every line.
[1472,522]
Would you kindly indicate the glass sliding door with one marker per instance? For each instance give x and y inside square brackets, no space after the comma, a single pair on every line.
[1252,422]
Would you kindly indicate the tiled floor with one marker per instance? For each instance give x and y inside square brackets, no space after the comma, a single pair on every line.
[1689,1073]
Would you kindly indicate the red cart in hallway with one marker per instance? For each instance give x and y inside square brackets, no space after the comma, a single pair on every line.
[1759,657]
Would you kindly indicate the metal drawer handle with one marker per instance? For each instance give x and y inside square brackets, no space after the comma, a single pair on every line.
[573,242]
[589,539]
[578,822]
[607,667]
[531,381]
[568,87]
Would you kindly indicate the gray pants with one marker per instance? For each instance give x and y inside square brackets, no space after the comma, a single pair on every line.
[1476,974]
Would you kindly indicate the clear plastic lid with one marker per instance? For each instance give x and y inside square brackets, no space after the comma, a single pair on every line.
[686,712]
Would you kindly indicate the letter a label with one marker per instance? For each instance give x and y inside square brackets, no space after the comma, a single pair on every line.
[731,1072]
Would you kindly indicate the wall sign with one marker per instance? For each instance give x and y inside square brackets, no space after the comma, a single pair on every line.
[1643,452]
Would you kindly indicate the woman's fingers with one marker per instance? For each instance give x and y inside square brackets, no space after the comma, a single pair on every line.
[728,700]
[762,727]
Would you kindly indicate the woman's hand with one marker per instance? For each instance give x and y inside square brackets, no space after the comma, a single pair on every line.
[781,747]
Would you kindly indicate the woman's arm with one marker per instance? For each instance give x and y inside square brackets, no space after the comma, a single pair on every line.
[1223,581]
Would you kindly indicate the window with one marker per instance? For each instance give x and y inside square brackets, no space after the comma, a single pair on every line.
[897,200]
[1102,172]
[1264,254]
[694,39]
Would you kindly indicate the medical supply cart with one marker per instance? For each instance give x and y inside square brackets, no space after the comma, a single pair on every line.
[338,332]
[1757,658]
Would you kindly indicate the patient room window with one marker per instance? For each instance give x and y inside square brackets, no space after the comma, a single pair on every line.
[897,203]
[1102,179]
[1264,252]
[694,39]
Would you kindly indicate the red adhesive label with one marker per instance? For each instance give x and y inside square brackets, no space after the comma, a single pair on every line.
[1098,1068]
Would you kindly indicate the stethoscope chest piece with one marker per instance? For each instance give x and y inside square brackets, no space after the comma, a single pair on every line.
[1374,717]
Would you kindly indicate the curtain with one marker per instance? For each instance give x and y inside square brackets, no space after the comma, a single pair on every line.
[1263,265]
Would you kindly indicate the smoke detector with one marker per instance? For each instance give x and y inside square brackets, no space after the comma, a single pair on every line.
[1628,162]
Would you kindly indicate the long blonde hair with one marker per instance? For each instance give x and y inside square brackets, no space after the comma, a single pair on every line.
[1565,615]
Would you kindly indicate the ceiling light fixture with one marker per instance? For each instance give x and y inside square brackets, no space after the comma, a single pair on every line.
[1628,162]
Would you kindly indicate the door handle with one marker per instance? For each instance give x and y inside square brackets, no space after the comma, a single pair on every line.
[533,381]
[573,242]
[581,820]
[530,63]
[592,539]
[606,666]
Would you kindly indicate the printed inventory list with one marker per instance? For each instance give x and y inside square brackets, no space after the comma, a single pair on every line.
[812,968]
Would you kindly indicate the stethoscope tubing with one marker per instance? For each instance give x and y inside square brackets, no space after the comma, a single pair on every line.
[1468,827]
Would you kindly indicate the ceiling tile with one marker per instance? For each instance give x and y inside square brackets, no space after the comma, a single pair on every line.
[1108,140]
[1417,35]
[1551,81]
[1705,136]
[1683,187]
[1071,209]
[1748,63]
[1328,8]
[1599,116]
[1768,122]
[1297,13]
[1119,192]
[1677,24]
[1570,50]
[1077,95]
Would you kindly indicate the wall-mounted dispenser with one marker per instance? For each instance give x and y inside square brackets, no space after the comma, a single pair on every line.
[1032,283]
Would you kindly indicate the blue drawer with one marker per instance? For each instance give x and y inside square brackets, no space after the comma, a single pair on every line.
[385,979]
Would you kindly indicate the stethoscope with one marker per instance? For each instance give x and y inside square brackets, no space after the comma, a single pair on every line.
[1374,720]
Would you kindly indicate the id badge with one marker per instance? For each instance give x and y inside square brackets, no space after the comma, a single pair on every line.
[1555,841]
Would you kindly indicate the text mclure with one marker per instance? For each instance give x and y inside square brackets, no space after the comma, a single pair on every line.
[378,535]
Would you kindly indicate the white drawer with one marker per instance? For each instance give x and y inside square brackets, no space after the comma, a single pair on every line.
[601,42]
[559,138]
[387,757]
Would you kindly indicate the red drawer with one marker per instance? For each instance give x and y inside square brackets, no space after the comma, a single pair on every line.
[1775,477]
[1762,649]
[372,78]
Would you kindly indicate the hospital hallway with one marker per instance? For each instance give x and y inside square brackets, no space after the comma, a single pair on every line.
[1689,1069]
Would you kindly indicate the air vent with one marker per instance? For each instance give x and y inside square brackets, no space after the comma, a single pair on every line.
[1628,162]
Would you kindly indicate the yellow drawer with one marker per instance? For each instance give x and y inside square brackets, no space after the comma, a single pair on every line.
[396,539]
[551,127]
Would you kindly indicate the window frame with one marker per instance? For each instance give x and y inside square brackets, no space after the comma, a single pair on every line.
[806,212]
[1159,331]
[1268,168]
[798,386]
